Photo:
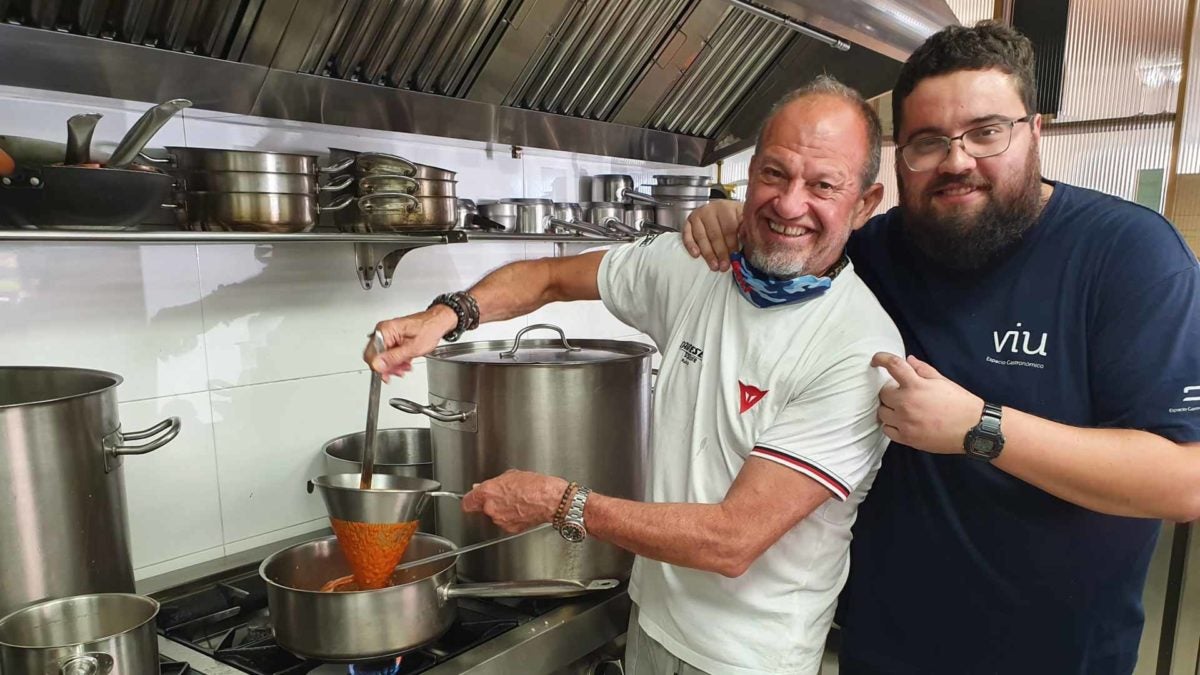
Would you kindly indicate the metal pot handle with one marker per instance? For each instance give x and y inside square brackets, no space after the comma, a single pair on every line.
[340,184]
[517,340]
[364,202]
[432,411]
[367,181]
[526,589]
[340,165]
[634,195]
[87,664]
[171,425]
[337,204]
[411,168]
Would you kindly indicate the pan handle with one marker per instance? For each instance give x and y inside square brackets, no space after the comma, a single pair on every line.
[634,195]
[337,204]
[527,589]
[340,184]
[431,411]
[412,203]
[512,353]
[337,167]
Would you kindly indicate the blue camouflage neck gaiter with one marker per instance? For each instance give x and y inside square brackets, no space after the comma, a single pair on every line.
[764,290]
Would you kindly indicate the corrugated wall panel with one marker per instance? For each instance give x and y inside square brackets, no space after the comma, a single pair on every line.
[971,11]
[1122,59]
[1189,142]
[1107,160]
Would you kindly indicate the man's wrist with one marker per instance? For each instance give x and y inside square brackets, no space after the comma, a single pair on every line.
[444,318]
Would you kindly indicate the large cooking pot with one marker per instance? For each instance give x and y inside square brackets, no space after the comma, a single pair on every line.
[257,211]
[356,626]
[399,452]
[99,634]
[577,409]
[256,181]
[217,159]
[62,507]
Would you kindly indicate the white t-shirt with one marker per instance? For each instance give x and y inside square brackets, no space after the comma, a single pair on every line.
[790,384]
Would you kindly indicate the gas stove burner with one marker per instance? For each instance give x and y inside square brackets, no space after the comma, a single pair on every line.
[384,667]
[229,621]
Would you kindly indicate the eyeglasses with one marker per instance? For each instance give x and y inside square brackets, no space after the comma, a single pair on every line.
[924,154]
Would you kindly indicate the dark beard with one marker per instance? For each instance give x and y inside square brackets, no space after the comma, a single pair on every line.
[972,242]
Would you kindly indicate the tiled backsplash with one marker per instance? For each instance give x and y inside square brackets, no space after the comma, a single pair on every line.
[255,347]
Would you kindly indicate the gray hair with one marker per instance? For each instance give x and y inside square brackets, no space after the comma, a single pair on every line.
[827,85]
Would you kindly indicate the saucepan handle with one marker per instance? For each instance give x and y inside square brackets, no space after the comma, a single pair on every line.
[443,493]
[527,589]
[431,411]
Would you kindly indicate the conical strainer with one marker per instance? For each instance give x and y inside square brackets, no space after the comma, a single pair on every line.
[390,499]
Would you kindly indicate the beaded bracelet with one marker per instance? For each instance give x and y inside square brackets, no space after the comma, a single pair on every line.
[561,513]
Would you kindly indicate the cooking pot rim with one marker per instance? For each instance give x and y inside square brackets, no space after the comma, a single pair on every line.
[115,380]
[328,447]
[622,350]
[447,564]
[143,599]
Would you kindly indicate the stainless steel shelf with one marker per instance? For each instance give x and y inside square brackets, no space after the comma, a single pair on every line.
[375,255]
[187,237]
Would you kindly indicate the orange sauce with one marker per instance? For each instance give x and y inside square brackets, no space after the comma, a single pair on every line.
[373,551]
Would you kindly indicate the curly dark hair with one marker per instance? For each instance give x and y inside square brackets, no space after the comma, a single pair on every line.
[987,45]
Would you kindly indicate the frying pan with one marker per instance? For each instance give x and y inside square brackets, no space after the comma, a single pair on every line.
[65,197]
[357,626]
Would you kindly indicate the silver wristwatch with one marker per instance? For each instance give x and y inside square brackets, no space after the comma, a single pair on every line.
[572,528]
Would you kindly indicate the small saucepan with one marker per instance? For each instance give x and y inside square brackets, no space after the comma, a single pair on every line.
[357,626]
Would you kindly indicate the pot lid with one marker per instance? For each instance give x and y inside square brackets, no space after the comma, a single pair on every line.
[562,351]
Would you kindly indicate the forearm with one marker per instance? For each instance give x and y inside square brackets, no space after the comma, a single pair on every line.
[1121,472]
[523,287]
[700,536]
[514,290]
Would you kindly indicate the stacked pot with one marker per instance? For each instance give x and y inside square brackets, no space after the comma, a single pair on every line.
[392,194]
[684,194]
[249,191]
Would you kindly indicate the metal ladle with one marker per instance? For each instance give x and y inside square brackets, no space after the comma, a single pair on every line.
[368,454]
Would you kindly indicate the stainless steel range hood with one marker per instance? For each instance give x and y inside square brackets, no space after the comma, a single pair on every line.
[678,81]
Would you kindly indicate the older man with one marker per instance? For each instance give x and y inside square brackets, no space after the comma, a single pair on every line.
[765,406]
[1047,416]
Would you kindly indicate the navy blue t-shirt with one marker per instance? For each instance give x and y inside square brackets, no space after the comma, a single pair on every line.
[958,568]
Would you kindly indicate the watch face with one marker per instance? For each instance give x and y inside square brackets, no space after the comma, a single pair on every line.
[573,532]
[983,446]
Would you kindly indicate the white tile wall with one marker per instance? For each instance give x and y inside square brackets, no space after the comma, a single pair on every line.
[255,347]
